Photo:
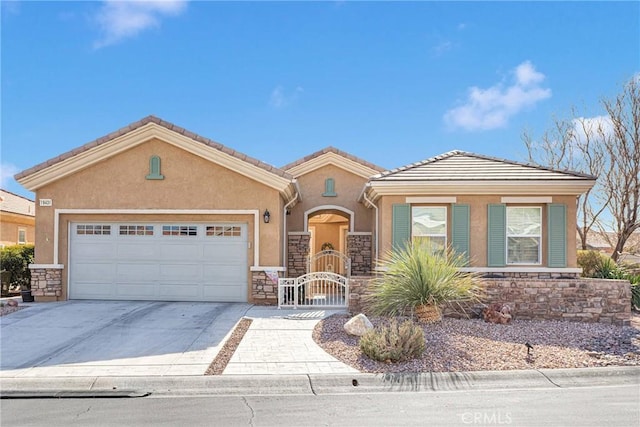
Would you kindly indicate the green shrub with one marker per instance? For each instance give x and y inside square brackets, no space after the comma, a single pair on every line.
[16,259]
[391,342]
[591,262]
[610,270]
[635,295]
[414,276]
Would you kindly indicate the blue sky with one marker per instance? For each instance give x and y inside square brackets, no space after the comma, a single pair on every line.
[391,82]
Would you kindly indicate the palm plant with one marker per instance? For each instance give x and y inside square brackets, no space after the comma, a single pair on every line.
[417,281]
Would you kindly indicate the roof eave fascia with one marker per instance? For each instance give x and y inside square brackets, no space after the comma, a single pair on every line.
[143,134]
[376,189]
[332,159]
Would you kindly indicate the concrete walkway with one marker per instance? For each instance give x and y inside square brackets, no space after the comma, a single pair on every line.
[279,342]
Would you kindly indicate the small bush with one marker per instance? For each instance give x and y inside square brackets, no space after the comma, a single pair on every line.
[610,270]
[591,262]
[392,342]
[16,259]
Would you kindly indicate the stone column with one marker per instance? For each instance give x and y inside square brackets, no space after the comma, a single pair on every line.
[46,281]
[359,250]
[298,253]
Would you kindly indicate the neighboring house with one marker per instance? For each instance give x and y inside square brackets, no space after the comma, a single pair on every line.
[17,219]
[155,212]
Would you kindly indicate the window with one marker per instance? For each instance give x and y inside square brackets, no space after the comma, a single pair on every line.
[524,231]
[429,226]
[87,229]
[136,230]
[22,236]
[223,230]
[179,230]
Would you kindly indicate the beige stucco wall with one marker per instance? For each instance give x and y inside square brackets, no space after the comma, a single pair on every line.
[10,223]
[348,187]
[190,183]
[478,224]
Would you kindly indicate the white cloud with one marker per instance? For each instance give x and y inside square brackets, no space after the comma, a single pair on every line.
[594,126]
[7,171]
[443,47]
[280,99]
[120,19]
[492,108]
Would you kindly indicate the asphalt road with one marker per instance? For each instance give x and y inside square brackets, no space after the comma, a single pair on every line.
[585,406]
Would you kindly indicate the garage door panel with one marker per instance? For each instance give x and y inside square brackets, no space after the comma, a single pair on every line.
[188,262]
[95,250]
[137,272]
[103,272]
[225,253]
[134,290]
[184,272]
[92,290]
[144,250]
[180,252]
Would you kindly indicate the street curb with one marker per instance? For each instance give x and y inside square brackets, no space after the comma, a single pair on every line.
[316,384]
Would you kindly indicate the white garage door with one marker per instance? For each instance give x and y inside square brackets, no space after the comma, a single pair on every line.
[158,261]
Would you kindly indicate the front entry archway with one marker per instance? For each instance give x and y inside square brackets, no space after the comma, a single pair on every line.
[328,227]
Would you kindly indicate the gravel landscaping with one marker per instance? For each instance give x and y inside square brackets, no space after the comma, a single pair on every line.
[474,345]
[229,347]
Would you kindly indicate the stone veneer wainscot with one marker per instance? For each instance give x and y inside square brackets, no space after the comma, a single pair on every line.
[46,281]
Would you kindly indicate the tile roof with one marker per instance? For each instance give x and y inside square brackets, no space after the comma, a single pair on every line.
[160,122]
[10,202]
[464,166]
[333,150]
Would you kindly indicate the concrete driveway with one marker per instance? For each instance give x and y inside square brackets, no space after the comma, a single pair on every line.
[114,338]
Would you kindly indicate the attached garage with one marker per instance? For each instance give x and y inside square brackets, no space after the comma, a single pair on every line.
[158,261]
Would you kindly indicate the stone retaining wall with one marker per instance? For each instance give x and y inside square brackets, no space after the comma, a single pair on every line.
[581,299]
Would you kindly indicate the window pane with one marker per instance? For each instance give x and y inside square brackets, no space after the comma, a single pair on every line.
[523,250]
[523,221]
[435,244]
[428,221]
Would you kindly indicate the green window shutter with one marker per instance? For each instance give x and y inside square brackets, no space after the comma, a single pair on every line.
[460,229]
[496,236]
[557,233]
[401,225]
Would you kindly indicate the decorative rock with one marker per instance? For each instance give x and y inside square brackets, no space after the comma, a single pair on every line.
[12,303]
[358,325]
[497,313]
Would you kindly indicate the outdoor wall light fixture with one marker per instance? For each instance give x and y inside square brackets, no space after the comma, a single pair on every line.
[266,216]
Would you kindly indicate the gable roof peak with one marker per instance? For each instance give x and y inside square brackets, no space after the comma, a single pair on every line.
[115,138]
[314,160]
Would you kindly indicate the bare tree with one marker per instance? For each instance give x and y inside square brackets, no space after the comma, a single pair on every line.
[622,180]
[572,145]
[607,147]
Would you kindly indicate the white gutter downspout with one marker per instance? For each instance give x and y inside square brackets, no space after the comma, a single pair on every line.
[285,243]
[364,196]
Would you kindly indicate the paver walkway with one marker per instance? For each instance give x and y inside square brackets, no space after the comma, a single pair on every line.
[279,342]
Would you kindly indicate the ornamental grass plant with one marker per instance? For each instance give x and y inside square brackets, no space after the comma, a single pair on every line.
[414,277]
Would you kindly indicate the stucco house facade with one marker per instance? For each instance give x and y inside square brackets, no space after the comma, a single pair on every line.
[155,212]
[17,219]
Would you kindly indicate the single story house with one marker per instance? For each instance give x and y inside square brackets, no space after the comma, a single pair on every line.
[153,211]
[17,219]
